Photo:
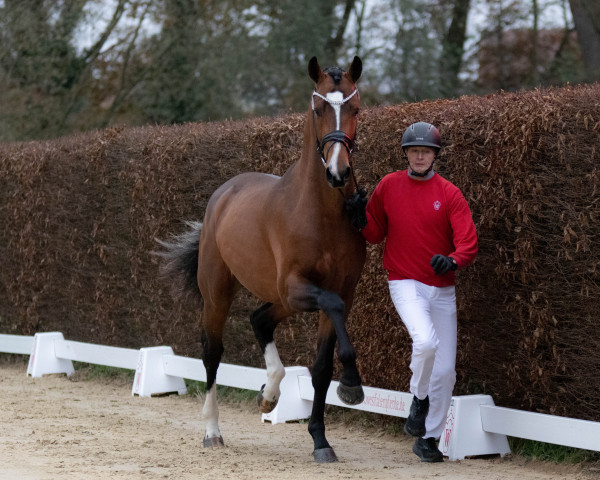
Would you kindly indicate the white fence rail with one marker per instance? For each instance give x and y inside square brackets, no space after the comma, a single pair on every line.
[96,354]
[474,425]
[16,344]
[569,432]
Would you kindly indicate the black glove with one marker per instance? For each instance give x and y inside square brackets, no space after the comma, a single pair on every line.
[442,264]
[356,206]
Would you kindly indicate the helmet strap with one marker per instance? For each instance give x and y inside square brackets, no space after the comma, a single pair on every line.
[417,174]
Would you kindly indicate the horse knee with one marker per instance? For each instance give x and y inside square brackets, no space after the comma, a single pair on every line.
[263,324]
[331,304]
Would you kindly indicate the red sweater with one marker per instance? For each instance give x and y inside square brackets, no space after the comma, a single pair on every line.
[420,219]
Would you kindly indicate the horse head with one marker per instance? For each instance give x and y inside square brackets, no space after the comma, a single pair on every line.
[335,106]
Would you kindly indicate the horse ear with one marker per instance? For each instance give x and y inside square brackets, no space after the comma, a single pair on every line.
[314,70]
[355,69]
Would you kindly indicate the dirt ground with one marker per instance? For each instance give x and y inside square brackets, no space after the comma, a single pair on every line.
[81,428]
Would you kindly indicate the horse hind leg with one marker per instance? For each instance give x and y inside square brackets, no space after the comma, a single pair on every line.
[264,320]
[216,308]
[212,352]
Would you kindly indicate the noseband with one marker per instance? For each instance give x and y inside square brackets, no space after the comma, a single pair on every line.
[337,136]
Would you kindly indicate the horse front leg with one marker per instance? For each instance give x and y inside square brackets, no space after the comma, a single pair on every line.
[264,320]
[307,297]
[350,389]
[322,372]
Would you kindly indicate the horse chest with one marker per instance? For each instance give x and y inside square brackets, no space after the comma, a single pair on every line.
[325,265]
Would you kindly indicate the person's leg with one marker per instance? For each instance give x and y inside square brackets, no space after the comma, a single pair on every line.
[411,301]
[412,304]
[443,376]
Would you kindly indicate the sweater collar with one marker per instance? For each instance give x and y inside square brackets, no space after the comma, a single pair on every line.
[421,179]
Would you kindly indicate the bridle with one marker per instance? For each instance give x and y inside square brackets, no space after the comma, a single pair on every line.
[337,136]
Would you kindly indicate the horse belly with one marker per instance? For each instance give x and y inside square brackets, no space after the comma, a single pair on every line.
[242,235]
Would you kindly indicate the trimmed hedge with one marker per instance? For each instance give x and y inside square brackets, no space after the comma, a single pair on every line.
[79,216]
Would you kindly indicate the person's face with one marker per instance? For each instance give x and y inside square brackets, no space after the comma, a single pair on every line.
[420,158]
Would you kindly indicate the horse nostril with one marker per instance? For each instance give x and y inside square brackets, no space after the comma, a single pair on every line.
[346,174]
[337,180]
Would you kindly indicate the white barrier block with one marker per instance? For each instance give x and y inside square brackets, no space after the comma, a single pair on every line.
[291,406]
[150,377]
[43,359]
[464,436]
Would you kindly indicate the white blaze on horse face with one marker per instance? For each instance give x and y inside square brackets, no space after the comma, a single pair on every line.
[336,100]
[210,412]
[275,373]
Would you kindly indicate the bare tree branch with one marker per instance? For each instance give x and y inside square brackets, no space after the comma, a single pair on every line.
[95,50]
[335,43]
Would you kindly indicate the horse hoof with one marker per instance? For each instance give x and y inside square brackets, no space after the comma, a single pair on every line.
[325,455]
[350,395]
[213,442]
[264,406]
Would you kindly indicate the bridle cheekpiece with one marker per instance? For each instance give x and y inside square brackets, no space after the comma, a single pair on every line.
[337,136]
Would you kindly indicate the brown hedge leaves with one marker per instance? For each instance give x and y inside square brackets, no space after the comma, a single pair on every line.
[79,215]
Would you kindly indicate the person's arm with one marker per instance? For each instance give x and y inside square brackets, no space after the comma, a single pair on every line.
[464,233]
[376,228]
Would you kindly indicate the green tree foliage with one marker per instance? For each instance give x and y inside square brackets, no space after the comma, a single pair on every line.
[410,68]
[194,63]
[514,52]
[174,61]
[42,75]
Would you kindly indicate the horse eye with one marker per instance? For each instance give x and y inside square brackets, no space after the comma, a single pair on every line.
[318,112]
[356,112]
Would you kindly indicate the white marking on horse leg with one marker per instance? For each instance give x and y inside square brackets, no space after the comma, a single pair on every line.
[210,412]
[275,373]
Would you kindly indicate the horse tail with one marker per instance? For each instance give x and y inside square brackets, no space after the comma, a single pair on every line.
[179,267]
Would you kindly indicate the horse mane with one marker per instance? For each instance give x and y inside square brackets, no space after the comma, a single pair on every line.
[336,74]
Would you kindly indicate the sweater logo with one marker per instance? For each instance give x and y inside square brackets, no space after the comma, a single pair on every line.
[437,205]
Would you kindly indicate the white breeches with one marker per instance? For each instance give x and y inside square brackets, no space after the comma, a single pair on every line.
[429,314]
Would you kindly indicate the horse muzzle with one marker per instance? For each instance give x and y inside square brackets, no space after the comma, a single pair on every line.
[338,168]
[339,179]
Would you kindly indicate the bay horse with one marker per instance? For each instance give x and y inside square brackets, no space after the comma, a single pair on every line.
[288,240]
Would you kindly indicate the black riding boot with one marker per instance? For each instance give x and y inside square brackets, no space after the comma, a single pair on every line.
[427,451]
[415,423]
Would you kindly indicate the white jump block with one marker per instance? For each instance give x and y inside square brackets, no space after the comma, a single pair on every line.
[291,406]
[150,377]
[43,359]
[463,435]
